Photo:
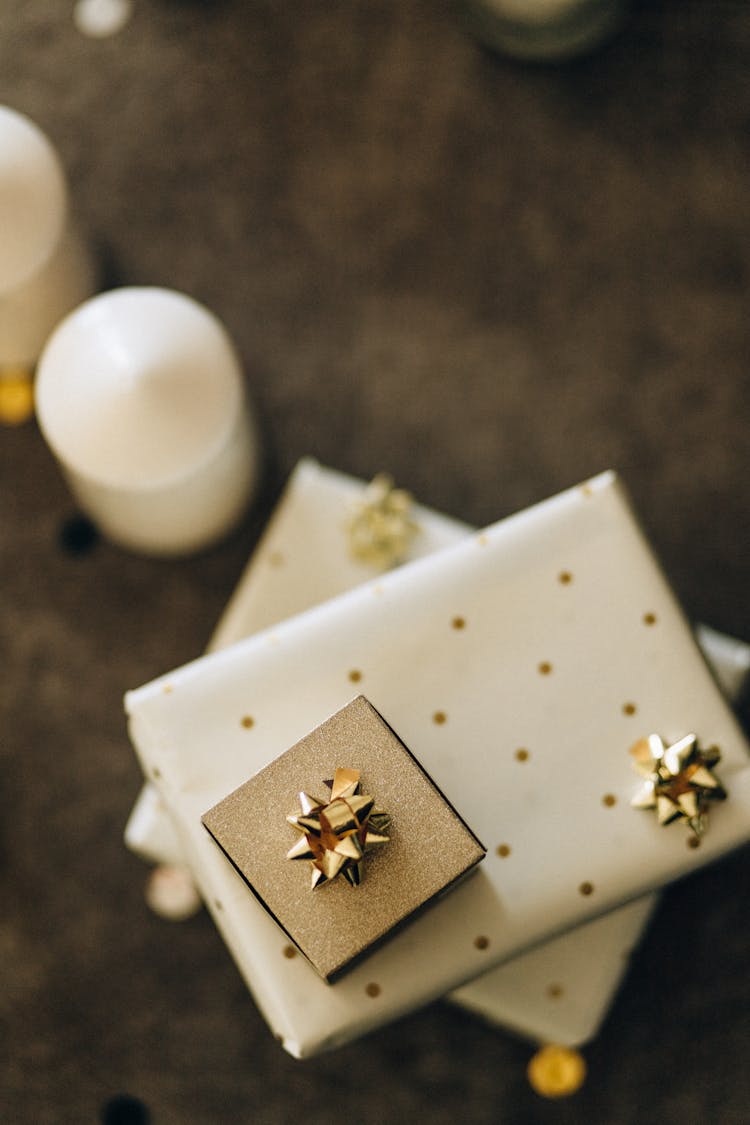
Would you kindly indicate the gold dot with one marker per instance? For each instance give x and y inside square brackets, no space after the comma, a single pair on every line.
[565,577]
[555,991]
[586,888]
[609,800]
[693,842]
[481,942]
[16,398]
[355,675]
[458,623]
[545,668]
[522,754]
[649,619]
[439,717]
[629,708]
[372,989]
[289,952]
[556,1072]
[247,721]
[503,850]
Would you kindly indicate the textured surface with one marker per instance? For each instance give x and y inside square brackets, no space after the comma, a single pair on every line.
[491,280]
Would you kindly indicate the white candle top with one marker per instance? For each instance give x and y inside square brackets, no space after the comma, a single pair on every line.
[138,387]
[33,199]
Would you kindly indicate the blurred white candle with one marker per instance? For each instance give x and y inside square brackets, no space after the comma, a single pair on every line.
[544,30]
[45,269]
[141,397]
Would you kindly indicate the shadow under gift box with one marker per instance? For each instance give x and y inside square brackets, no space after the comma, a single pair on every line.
[575,756]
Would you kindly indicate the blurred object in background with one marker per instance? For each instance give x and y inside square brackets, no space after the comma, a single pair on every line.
[45,269]
[544,30]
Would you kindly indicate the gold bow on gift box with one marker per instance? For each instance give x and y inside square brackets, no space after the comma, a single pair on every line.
[679,782]
[337,834]
[381,527]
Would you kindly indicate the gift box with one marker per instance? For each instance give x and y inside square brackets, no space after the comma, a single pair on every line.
[587,533]
[423,845]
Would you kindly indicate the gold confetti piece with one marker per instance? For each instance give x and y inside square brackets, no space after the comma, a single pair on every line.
[16,396]
[336,835]
[381,527]
[556,1072]
[679,780]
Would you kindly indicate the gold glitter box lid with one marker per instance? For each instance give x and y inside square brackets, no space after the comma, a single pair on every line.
[429,848]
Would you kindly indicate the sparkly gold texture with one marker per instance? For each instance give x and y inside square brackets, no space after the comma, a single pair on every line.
[337,925]
[556,1072]
[679,782]
[337,834]
[381,527]
[16,396]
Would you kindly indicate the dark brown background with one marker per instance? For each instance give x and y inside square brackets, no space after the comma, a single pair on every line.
[492,280]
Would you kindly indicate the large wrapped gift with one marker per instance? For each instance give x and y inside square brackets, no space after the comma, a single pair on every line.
[520,667]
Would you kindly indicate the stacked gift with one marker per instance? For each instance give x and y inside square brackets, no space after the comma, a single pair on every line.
[334,771]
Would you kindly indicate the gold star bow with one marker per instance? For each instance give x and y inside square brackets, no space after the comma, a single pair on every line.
[336,834]
[679,782]
[381,527]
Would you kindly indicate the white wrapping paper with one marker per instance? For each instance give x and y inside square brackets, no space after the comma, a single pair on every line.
[591,535]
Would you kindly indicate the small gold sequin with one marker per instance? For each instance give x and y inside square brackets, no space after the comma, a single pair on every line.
[289,952]
[16,396]
[481,942]
[586,889]
[629,708]
[247,721]
[439,717]
[556,1072]
[503,850]
[555,991]
[355,675]
[609,800]
[565,578]
[373,989]
[545,668]
[649,619]
[458,623]
[522,754]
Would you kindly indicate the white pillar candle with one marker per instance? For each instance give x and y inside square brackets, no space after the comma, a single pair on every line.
[45,269]
[141,397]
